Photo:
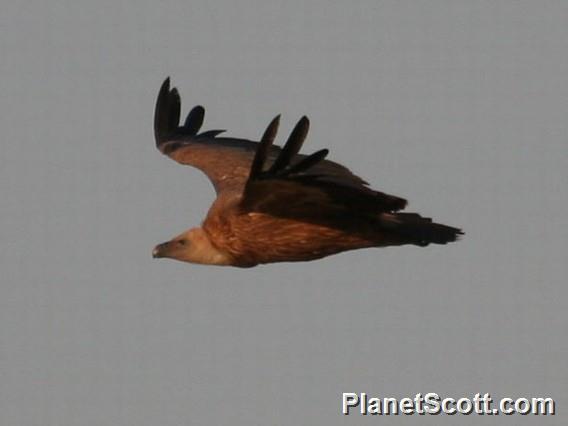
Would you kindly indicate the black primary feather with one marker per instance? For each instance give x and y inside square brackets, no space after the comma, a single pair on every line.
[167,117]
[305,164]
[292,146]
[360,197]
[263,148]
[174,109]
[194,120]
[162,113]
[210,133]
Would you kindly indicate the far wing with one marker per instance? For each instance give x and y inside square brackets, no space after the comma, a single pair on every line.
[225,161]
[299,187]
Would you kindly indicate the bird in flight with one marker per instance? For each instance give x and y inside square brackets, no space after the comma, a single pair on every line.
[274,204]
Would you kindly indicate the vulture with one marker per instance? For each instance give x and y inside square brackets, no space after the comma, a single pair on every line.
[274,204]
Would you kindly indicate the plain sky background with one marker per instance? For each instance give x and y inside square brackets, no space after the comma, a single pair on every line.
[459,106]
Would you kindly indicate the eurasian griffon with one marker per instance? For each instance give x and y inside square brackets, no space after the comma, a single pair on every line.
[276,205]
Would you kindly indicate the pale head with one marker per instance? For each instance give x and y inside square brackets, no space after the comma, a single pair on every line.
[193,246]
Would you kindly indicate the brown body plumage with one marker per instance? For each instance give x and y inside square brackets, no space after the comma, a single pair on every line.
[276,205]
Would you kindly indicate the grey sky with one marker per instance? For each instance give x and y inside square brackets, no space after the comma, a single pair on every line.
[459,106]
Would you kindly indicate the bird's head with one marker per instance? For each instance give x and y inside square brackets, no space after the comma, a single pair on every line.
[193,246]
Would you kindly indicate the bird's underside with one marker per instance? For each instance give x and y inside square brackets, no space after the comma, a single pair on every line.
[276,205]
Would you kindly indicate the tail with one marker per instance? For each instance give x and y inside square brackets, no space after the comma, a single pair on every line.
[418,230]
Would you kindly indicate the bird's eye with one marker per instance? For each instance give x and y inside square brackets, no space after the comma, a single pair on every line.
[182,242]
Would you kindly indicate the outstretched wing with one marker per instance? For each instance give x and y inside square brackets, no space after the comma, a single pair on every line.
[225,161]
[294,186]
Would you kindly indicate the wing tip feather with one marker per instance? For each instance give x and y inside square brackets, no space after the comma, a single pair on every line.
[167,103]
[263,147]
[194,120]
[292,146]
[167,117]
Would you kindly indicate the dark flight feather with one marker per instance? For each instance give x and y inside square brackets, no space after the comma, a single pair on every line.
[167,117]
[306,163]
[174,106]
[306,178]
[162,113]
[292,146]
[210,134]
[263,148]
[194,120]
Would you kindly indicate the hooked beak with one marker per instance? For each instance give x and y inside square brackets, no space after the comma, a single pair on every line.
[159,250]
